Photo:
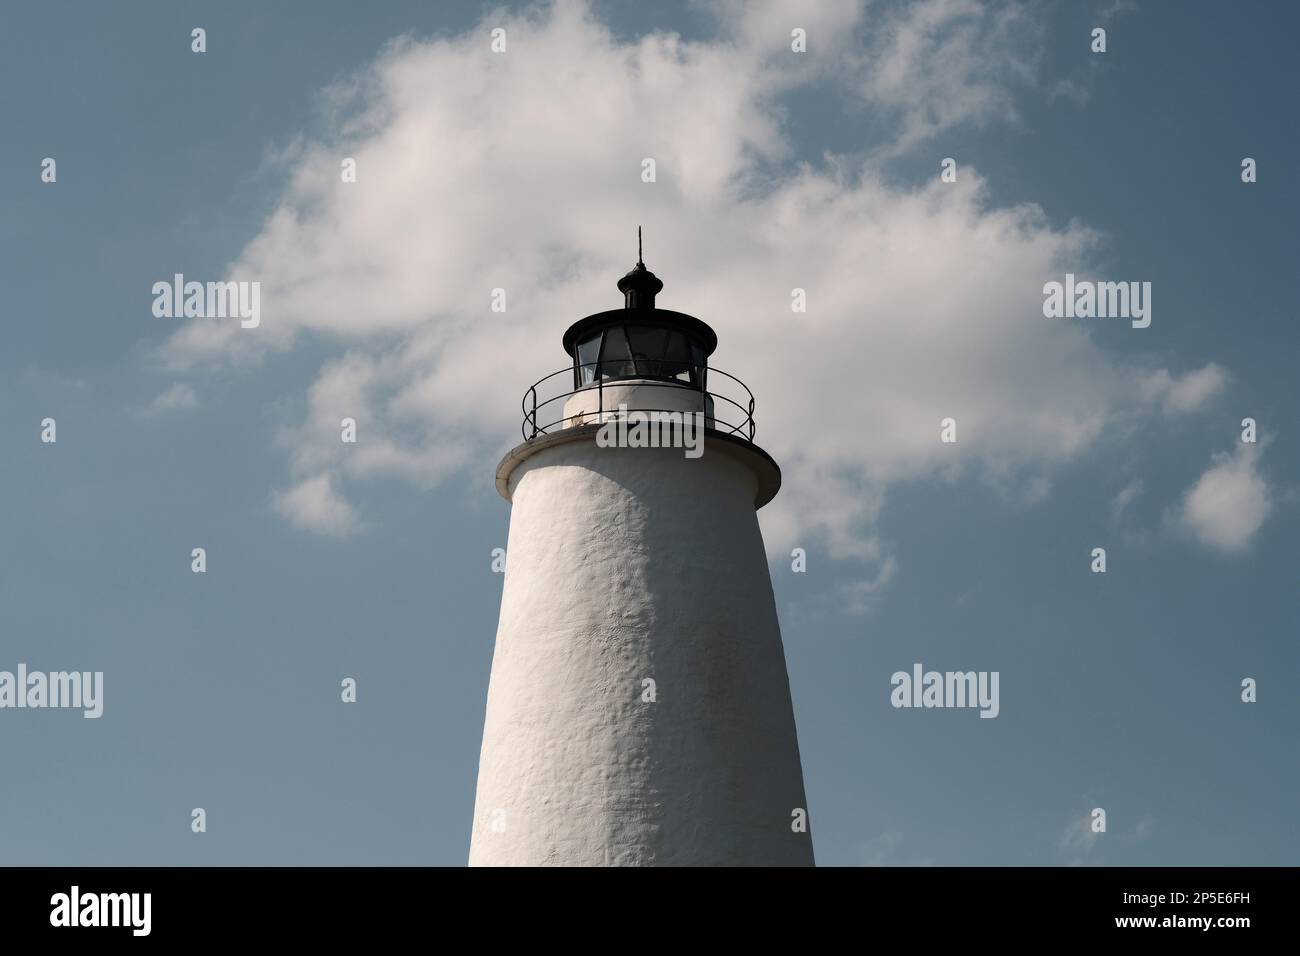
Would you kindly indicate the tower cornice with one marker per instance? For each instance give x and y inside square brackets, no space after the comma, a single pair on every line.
[767,472]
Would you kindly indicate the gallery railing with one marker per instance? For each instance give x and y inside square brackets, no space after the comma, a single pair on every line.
[739,408]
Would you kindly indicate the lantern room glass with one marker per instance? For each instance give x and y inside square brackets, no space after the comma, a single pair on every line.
[639,351]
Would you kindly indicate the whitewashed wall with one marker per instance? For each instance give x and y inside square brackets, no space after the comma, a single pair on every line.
[626,564]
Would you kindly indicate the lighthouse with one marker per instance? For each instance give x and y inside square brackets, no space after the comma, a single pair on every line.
[638,710]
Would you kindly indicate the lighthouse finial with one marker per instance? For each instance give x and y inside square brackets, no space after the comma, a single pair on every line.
[639,286]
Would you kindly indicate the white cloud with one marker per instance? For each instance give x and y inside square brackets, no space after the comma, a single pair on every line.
[937,64]
[880,850]
[315,505]
[1073,90]
[178,398]
[1125,497]
[1115,9]
[1079,87]
[1078,839]
[48,378]
[1229,502]
[1180,395]
[860,594]
[522,171]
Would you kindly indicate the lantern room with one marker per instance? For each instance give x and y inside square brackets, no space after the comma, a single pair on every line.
[640,341]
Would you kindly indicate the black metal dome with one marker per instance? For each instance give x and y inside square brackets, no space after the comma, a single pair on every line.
[639,288]
[689,325]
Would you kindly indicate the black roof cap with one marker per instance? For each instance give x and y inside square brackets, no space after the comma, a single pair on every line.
[639,288]
[693,328]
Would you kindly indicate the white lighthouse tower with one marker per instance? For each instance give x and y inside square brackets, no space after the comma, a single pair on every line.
[639,710]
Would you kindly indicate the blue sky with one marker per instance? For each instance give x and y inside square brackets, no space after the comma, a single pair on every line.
[1119,691]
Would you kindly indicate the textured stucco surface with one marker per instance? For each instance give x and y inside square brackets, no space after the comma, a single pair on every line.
[625,564]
